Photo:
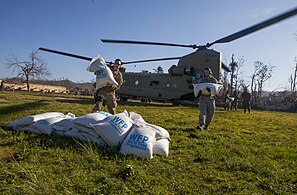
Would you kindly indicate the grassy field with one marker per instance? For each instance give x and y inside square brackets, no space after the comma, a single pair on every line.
[242,153]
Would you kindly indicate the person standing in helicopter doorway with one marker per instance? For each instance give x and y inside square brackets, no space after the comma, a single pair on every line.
[206,102]
[106,95]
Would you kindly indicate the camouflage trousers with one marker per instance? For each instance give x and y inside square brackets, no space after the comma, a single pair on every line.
[103,98]
[207,108]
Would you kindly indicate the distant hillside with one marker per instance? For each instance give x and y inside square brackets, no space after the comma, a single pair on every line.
[87,86]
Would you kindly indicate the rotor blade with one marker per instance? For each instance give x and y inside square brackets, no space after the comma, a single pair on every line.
[173,58]
[255,28]
[225,68]
[147,43]
[152,60]
[66,54]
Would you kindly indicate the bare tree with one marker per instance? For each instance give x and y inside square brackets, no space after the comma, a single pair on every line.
[294,77]
[264,73]
[35,67]
[240,63]
[290,79]
[225,79]
[257,66]
[235,66]
[159,70]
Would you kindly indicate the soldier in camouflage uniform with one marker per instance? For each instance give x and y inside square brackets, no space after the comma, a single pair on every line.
[206,102]
[246,100]
[106,95]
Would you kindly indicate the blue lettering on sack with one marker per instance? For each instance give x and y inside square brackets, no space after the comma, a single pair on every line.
[119,124]
[101,73]
[138,141]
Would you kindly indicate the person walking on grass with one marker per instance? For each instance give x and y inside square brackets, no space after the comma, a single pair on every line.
[246,100]
[206,102]
[106,95]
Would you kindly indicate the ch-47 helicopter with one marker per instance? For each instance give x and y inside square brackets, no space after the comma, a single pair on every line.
[176,86]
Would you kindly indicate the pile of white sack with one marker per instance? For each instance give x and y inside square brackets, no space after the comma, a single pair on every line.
[130,131]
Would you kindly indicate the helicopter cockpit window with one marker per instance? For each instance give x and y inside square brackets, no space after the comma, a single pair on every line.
[136,82]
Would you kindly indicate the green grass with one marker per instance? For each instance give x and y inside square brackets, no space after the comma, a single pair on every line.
[242,153]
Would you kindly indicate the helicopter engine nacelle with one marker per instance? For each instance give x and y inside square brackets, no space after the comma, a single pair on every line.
[180,71]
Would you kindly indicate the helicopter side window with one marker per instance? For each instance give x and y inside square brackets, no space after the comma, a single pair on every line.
[136,82]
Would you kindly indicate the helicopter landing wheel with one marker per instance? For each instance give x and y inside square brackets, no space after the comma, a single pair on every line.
[175,102]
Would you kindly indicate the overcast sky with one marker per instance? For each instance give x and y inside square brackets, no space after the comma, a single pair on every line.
[76,26]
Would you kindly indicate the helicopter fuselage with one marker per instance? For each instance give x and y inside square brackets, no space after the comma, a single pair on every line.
[175,85]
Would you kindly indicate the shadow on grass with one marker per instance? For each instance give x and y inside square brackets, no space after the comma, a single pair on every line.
[76,101]
[144,104]
[68,98]
[21,107]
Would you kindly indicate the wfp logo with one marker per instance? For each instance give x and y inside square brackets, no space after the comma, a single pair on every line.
[138,141]
[101,73]
[119,124]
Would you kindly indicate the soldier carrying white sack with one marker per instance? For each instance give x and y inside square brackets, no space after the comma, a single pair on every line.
[106,95]
[206,102]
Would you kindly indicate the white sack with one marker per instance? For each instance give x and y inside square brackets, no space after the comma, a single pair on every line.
[139,142]
[214,88]
[76,134]
[229,99]
[90,131]
[44,126]
[161,147]
[96,64]
[103,73]
[26,121]
[113,129]
[161,133]
[63,125]
[86,120]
